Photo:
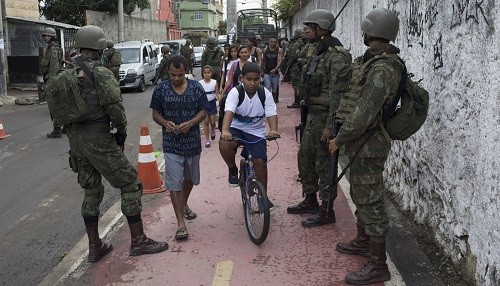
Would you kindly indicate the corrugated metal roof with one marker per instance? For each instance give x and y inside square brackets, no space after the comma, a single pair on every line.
[44,22]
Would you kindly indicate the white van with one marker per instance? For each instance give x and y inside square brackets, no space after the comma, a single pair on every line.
[175,46]
[139,62]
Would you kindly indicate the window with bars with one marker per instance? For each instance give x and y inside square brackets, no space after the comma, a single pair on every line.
[198,16]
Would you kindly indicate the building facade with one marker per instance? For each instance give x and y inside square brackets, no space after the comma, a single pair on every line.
[197,16]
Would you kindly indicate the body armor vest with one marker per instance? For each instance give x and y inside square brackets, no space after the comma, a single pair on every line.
[359,73]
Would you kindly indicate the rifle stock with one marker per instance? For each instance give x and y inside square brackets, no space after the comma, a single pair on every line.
[334,178]
[303,94]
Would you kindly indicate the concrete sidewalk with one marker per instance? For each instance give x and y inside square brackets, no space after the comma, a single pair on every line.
[30,95]
[218,251]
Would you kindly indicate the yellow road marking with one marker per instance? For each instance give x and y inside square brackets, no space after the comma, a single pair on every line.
[223,273]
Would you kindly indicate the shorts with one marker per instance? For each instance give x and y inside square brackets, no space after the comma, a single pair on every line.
[179,168]
[258,150]
[212,107]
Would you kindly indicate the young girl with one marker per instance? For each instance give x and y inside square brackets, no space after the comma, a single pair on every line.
[232,55]
[211,90]
[235,70]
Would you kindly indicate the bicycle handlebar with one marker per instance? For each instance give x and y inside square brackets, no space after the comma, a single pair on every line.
[268,138]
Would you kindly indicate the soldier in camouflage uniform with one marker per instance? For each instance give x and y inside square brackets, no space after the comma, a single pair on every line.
[51,64]
[374,83]
[95,152]
[329,58]
[212,56]
[162,68]
[293,65]
[187,52]
[112,59]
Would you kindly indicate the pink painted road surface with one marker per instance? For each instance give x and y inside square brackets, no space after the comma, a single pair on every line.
[218,251]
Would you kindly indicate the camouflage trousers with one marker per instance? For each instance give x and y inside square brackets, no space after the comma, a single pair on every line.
[314,158]
[295,77]
[94,155]
[366,191]
[116,72]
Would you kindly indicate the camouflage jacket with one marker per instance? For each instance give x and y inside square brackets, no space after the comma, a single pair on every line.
[111,58]
[213,58]
[186,52]
[162,68]
[52,60]
[373,86]
[293,53]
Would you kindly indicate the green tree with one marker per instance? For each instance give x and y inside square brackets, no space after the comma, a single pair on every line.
[284,8]
[222,28]
[73,11]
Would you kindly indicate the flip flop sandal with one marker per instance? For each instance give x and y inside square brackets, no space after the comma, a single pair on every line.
[189,214]
[181,233]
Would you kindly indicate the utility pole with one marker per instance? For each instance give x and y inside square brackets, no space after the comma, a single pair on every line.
[121,34]
[3,67]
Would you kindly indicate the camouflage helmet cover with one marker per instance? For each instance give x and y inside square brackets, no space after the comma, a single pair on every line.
[165,49]
[381,23]
[110,44]
[90,37]
[49,32]
[212,40]
[321,17]
[188,42]
[298,33]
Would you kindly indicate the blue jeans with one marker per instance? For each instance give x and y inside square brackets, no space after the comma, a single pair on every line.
[271,82]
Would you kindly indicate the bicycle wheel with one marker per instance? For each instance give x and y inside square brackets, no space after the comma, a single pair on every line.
[257,216]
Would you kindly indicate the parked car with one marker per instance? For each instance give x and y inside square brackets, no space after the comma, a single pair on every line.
[198,52]
[139,62]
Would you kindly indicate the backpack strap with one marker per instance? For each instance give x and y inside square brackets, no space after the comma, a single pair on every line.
[260,92]
[85,68]
[394,104]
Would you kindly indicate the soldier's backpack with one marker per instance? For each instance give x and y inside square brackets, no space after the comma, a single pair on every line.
[64,96]
[400,122]
[241,96]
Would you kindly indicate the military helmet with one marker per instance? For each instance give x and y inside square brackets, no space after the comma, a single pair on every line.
[165,49]
[297,33]
[381,23]
[110,44]
[212,40]
[188,42]
[321,17]
[90,37]
[258,38]
[49,32]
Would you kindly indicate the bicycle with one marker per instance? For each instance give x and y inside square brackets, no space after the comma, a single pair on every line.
[254,197]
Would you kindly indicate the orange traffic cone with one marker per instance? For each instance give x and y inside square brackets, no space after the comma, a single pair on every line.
[2,132]
[147,168]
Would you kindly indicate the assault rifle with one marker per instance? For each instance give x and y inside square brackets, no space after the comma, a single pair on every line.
[334,161]
[303,94]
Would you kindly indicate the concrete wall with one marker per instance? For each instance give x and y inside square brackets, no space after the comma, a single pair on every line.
[448,173]
[27,9]
[135,28]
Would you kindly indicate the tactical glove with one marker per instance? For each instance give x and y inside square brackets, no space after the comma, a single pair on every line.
[120,139]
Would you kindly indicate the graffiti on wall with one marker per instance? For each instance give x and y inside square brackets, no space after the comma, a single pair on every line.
[415,23]
[438,53]
[467,10]
[431,15]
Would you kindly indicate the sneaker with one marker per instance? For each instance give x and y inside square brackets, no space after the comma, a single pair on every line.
[233,177]
[212,134]
[207,144]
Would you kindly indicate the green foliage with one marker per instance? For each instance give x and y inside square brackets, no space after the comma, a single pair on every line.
[222,28]
[73,11]
[284,9]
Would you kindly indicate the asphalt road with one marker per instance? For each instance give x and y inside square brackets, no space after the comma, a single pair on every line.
[40,197]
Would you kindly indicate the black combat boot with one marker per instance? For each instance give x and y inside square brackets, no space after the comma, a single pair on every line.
[56,133]
[97,249]
[375,270]
[308,205]
[296,103]
[360,245]
[141,244]
[321,217]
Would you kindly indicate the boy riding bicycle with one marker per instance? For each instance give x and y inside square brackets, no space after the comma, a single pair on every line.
[248,124]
